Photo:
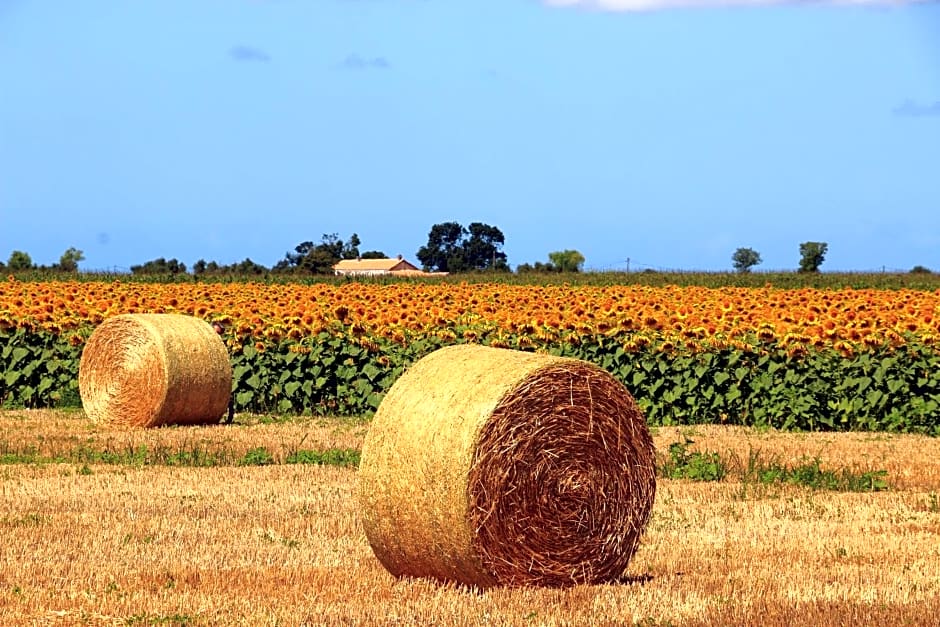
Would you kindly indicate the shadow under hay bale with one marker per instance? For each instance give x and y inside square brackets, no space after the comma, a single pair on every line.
[489,467]
[149,370]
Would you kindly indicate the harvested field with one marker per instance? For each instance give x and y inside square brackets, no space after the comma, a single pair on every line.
[281,544]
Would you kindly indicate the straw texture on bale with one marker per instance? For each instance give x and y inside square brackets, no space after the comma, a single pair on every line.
[491,467]
[149,370]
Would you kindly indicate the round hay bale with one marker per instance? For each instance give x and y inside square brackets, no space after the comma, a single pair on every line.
[489,467]
[148,370]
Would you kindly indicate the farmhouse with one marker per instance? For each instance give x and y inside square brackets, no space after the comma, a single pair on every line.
[379,267]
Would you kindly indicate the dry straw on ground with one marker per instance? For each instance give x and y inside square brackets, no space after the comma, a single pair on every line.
[148,370]
[492,467]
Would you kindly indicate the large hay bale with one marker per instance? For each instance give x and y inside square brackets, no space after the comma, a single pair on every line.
[148,370]
[488,467]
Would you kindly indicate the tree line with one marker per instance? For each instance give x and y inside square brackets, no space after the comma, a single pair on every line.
[451,248]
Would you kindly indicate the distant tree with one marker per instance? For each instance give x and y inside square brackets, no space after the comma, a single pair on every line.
[744,259]
[248,267]
[351,248]
[68,262]
[373,254]
[310,258]
[19,261]
[482,248]
[538,267]
[318,261]
[812,255]
[242,268]
[559,261]
[203,267]
[567,260]
[453,248]
[160,266]
[444,249]
[921,270]
[336,248]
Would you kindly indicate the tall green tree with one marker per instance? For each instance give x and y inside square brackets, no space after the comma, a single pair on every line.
[812,255]
[453,248]
[444,250]
[566,260]
[744,259]
[482,247]
[68,262]
[19,260]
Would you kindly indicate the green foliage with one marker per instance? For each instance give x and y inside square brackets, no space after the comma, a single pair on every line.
[809,473]
[453,248]
[561,261]
[881,390]
[319,259]
[19,261]
[695,465]
[442,252]
[37,370]
[681,463]
[566,260]
[744,259]
[160,266]
[327,374]
[373,254]
[812,255]
[259,456]
[68,262]
[339,372]
[538,268]
[332,457]
[246,268]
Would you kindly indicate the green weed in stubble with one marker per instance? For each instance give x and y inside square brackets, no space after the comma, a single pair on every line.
[810,473]
[682,463]
[343,458]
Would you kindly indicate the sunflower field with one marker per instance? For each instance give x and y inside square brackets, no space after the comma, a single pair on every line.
[804,358]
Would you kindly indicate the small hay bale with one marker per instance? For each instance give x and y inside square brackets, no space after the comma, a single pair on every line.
[149,370]
[488,466]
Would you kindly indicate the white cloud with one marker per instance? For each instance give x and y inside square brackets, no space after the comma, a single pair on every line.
[654,5]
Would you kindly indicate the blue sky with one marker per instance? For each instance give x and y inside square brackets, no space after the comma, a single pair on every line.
[666,132]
